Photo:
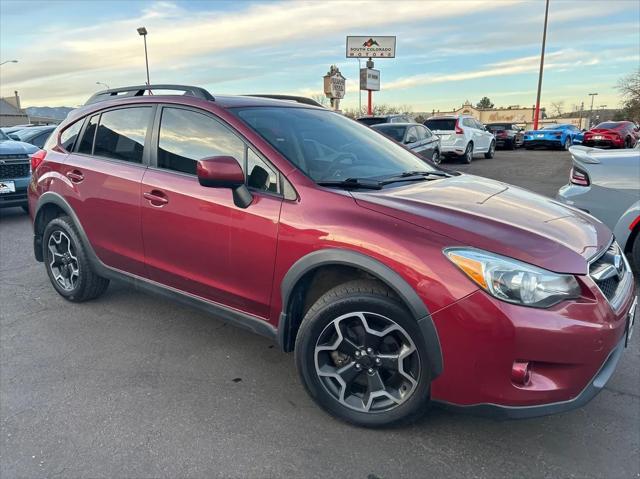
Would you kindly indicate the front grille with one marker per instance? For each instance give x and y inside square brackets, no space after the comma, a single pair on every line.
[609,272]
[20,195]
[13,168]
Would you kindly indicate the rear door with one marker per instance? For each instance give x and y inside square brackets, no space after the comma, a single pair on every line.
[196,239]
[104,173]
[430,141]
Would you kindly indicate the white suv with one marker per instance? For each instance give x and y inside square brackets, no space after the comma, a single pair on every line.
[462,136]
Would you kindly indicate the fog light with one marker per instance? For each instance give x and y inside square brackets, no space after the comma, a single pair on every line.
[520,372]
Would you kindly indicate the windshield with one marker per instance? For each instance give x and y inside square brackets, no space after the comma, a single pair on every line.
[372,120]
[441,124]
[553,127]
[3,136]
[496,127]
[608,125]
[391,130]
[327,146]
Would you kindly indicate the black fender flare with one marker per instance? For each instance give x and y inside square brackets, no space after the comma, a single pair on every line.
[344,257]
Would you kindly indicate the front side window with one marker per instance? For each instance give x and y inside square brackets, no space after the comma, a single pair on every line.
[187,136]
[121,134]
[260,176]
[344,148]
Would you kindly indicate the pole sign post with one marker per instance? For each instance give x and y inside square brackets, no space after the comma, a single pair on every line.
[334,86]
[370,47]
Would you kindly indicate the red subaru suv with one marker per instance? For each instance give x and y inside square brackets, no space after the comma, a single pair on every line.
[395,283]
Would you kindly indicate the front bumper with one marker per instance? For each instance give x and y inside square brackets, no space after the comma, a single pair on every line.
[608,143]
[545,142]
[572,349]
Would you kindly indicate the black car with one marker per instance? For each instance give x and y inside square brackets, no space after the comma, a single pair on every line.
[36,135]
[507,135]
[376,120]
[418,138]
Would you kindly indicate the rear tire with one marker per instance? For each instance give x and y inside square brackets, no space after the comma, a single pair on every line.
[567,143]
[351,372]
[467,157]
[628,142]
[492,151]
[512,144]
[436,158]
[67,262]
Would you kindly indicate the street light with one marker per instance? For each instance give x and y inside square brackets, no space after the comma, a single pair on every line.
[9,61]
[103,84]
[143,32]
[544,42]
[592,95]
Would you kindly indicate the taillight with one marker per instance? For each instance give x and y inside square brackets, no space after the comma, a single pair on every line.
[459,131]
[579,177]
[37,158]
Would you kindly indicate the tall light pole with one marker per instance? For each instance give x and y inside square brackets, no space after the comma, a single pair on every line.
[8,61]
[592,95]
[103,84]
[544,42]
[143,32]
[359,90]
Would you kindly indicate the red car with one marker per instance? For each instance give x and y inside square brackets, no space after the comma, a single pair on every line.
[612,134]
[395,283]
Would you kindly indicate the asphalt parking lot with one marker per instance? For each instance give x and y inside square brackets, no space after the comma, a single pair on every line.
[132,385]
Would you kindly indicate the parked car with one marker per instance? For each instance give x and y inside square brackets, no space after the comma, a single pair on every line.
[395,283]
[507,135]
[551,136]
[418,138]
[375,120]
[462,137]
[36,135]
[606,184]
[612,134]
[7,130]
[15,171]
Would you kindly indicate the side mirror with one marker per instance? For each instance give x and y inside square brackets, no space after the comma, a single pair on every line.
[224,172]
[14,137]
[410,139]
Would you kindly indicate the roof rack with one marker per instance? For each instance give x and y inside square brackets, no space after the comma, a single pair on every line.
[297,99]
[138,90]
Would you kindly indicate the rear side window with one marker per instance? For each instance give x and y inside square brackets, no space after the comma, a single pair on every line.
[187,136]
[69,136]
[441,124]
[121,134]
[86,144]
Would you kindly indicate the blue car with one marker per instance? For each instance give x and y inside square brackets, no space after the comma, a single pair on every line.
[15,171]
[552,136]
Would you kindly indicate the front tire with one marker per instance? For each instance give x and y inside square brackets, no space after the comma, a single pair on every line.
[361,357]
[492,151]
[436,158]
[567,143]
[67,262]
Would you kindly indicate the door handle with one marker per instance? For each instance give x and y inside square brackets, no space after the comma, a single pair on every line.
[75,176]
[156,197]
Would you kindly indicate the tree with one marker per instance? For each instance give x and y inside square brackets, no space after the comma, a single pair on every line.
[629,88]
[320,98]
[485,103]
[557,108]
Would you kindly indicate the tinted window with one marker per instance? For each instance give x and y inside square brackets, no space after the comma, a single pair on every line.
[260,175]
[187,136]
[346,149]
[441,124]
[121,134]
[372,120]
[69,135]
[608,124]
[394,132]
[496,127]
[86,145]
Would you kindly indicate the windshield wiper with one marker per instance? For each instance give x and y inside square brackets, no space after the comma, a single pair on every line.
[353,183]
[425,173]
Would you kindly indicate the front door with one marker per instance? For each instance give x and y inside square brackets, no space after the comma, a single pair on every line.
[104,173]
[196,239]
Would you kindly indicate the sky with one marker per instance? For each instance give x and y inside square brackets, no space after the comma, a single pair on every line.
[447,51]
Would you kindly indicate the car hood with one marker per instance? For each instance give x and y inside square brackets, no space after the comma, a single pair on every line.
[497,217]
[11,147]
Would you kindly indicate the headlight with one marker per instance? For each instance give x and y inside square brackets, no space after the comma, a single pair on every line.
[513,281]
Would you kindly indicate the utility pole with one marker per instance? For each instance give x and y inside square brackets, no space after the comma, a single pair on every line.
[359,90]
[544,42]
[592,95]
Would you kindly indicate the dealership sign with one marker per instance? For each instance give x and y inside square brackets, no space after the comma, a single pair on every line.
[334,83]
[371,47]
[369,79]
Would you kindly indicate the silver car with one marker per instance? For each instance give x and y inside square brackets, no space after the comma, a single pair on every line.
[606,184]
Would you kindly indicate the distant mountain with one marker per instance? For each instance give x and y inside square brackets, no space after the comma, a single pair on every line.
[56,112]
